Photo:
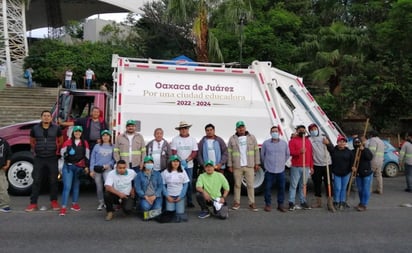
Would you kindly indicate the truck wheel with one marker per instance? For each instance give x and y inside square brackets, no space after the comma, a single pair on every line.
[258,184]
[19,173]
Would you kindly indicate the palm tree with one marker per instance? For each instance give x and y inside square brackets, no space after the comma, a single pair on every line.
[197,14]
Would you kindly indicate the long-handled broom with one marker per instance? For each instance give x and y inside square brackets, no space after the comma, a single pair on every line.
[330,200]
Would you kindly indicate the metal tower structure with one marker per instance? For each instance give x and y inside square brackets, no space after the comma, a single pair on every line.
[13,28]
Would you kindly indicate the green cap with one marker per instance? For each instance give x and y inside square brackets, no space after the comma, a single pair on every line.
[77,128]
[209,162]
[105,132]
[148,158]
[130,122]
[174,158]
[240,123]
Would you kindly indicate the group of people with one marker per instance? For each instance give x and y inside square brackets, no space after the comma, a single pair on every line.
[89,77]
[156,178]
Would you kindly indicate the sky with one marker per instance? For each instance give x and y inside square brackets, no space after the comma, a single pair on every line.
[42,32]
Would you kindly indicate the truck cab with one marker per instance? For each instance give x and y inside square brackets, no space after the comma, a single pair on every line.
[71,104]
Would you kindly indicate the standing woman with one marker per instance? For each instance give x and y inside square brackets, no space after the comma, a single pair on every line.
[364,174]
[101,163]
[342,161]
[175,183]
[76,160]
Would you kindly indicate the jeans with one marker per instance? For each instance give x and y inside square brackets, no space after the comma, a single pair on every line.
[67,84]
[88,83]
[408,176]
[44,166]
[71,180]
[146,206]
[99,179]
[296,178]
[189,172]
[279,180]
[179,207]
[364,188]
[340,185]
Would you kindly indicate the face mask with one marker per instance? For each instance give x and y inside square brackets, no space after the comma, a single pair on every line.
[149,166]
[275,135]
[314,133]
[301,134]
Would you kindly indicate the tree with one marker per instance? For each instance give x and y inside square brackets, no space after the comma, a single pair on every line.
[197,13]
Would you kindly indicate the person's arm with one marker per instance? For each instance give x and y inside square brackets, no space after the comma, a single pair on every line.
[111,189]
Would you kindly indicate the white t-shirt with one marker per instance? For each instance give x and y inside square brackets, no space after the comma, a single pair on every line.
[174,181]
[157,153]
[243,150]
[68,76]
[211,150]
[184,147]
[121,183]
[130,137]
[89,74]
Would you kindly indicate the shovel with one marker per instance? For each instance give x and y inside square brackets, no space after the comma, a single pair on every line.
[330,200]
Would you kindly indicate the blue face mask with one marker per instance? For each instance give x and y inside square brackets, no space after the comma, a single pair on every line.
[149,166]
[314,133]
[275,135]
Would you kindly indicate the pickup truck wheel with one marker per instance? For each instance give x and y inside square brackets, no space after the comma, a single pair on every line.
[19,173]
[258,184]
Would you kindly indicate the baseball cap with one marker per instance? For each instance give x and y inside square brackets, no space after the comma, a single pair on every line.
[341,138]
[209,162]
[240,123]
[77,128]
[174,158]
[105,132]
[148,158]
[130,122]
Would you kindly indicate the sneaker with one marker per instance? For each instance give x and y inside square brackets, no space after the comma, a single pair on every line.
[341,206]
[408,190]
[267,208]
[109,216]
[101,206]
[5,209]
[305,206]
[54,205]
[292,206]
[62,211]
[75,207]
[204,214]
[31,208]
[345,205]
[253,207]
[361,208]
[236,206]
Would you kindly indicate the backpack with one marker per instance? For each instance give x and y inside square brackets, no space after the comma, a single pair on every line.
[26,74]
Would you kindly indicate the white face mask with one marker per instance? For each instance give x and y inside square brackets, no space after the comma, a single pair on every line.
[314,133]
[275,135]
[149,166]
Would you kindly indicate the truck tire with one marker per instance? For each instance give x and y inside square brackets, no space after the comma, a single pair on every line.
[19,174]
[258,184]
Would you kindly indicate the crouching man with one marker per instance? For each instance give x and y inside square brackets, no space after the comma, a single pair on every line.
[119,189]
[209,187]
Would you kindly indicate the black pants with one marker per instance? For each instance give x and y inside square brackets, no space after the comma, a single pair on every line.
[44,167]
[110,199]
[318,176]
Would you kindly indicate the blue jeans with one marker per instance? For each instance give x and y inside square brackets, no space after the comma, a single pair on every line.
[408,176]
[296,178]
[71,180]
[274,178]
[189,172]
[88,83]
[67,84]
[179,207]
[364,188]
[340,184]
[146,206]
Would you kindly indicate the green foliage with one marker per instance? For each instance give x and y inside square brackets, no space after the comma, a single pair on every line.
[51,58]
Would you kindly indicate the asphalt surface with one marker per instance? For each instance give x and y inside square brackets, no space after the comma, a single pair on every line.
[384,227]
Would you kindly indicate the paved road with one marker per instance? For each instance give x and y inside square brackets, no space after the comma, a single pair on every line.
[385,227]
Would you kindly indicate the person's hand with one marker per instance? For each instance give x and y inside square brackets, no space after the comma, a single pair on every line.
[230,169]
[256,167]
[122,195]
[177,199]
[92,174]
[353,169]
[206,196]
[170,199]
[311,171]
[302,150]
[325,141]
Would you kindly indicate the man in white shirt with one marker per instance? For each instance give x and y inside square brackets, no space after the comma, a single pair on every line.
[89,77]
[68,79]
[186,148]
[119,189]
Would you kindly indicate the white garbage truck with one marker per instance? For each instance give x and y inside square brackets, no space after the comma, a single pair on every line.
[161,93]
